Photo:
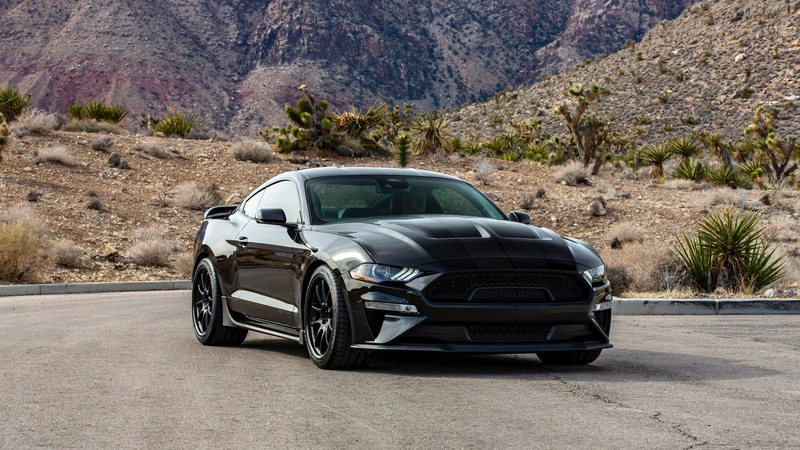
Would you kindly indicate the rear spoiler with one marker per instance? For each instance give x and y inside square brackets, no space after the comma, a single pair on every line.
[220,212]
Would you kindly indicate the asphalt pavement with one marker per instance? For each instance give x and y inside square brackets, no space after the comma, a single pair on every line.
[124,370]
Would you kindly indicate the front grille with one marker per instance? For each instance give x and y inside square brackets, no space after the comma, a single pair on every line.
[508,287]
[508,333]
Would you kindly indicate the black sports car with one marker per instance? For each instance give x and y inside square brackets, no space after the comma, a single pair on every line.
[348,261]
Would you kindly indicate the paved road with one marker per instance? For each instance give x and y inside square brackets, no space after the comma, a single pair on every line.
[125,371]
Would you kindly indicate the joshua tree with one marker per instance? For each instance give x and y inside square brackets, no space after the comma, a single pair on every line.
[778,151]
[588,131]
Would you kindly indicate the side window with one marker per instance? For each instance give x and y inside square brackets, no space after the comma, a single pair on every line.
[251,206]
[282,195]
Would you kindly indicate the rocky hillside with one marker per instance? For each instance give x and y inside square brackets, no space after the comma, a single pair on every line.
[237,63]
[707,70]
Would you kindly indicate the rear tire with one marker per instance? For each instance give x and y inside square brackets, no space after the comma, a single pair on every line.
[326,324]
[207,309]
[579,357]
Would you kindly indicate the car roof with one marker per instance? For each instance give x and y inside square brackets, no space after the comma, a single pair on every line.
[324,172]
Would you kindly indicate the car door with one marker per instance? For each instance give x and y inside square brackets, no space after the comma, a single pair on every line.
[269,260]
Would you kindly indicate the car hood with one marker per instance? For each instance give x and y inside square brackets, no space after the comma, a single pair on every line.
[447,243]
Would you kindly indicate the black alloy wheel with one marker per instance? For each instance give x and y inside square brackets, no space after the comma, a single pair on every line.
[327,324]
[207,309]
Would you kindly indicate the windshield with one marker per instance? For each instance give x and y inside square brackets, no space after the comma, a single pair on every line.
[348,198]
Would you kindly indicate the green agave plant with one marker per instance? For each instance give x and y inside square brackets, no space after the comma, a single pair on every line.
[12,103]
[690,170]
[731,243]
[177,123]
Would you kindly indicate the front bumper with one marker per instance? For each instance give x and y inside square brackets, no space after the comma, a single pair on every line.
[475,328]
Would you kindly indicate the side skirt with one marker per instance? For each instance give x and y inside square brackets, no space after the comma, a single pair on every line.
[259,326]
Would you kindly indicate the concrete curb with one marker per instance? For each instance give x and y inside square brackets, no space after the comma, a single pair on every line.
[650,306]
[621,306]
[85,288]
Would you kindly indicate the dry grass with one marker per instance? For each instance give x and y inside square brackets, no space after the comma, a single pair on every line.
[573,174]
[184,264]
[722,196]
[23,246]
[483,171]
[626,232]
[685,185]
[782,229]
[103,143]
[253,151]
[155,150]
[55,154]
[34,121]
[196,197]
[66,254]
[651,266]
[92,126]
[152,248]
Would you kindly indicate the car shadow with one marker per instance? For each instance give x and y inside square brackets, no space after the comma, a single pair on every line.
[616,365]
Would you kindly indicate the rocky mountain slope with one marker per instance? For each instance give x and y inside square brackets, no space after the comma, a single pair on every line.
[237,63]
[707,70]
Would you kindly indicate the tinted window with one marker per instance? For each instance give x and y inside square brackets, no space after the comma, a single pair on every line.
[283,195]
[251,206]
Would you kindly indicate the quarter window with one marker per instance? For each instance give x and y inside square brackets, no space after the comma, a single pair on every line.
[251,206]
[283,195]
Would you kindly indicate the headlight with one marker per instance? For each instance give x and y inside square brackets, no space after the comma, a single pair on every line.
[596,274]
[377,273]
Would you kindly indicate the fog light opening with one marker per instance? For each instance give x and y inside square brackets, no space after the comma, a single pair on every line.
[393,307]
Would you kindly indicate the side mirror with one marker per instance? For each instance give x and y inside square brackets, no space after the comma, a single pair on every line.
[519,216]
[274,216]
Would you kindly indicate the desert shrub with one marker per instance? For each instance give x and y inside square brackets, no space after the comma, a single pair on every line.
[483,171]
[152,248]
[102,143]
[729,251]
[12,103]
[34,121]
[23,245]
[429,134]
[34,196]
[94,204]
[620,279]
[657,156]
[402,152]
[690,170]
[253,151]
[626,232]
[66,254]
[184,264]
[527,201]
[651,268]
[726,176]
[55,154]
[155,150]
[196,197]
[177,123]
[99,111]
[573,174]
[92,126]
[723,196]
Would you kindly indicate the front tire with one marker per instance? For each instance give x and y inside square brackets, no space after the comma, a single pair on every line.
[207,309]
[579,357]
[326,324]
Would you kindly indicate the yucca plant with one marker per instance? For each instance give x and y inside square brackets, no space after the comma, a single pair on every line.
[76,111]
[177,123]
[725,176]
[732,244]
[752,169]
[471,148]
[362,125]
[685,148]
[429,134]
[690,170]
[656,156]
[401,149]
[12,103]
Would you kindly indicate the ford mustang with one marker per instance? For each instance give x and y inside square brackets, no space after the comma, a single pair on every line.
[351,261]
